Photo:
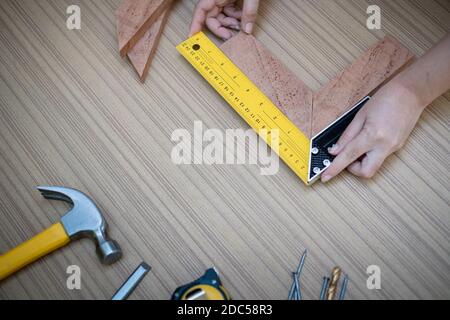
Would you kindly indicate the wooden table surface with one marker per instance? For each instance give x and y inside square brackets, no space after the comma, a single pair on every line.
[73,113]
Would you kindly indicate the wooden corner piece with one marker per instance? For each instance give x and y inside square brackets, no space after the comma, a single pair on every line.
[372,69]
[134,18]
[142,54]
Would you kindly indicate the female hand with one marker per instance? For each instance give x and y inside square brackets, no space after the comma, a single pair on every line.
[381,128]
[385,122]
[223,16]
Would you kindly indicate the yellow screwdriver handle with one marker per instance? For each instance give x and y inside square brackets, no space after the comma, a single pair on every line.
[47,241]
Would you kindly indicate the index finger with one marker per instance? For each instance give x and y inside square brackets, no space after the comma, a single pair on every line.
[200,13]
[198,20]
[351,152]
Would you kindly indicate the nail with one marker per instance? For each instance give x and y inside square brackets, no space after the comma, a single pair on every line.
[324,288]
[297,287]
[294,293]
[333,148]
[237,28]
[249,28]
[343,288]
[326,178]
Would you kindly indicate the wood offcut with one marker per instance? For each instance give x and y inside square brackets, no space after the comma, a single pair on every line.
[134,18]
[142,54]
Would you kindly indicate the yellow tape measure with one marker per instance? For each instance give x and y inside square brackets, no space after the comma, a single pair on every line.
[249,102]
[207,287]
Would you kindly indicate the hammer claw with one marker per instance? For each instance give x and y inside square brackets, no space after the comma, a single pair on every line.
[60,193]
[54,196]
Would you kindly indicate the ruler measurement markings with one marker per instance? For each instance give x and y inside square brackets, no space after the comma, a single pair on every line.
[220,65]
[292,150]
[217,72]
[254,118]
[248,101]
[292,143]
[196,54]
[289,151]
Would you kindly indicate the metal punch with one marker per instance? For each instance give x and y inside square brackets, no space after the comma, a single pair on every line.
[132,282]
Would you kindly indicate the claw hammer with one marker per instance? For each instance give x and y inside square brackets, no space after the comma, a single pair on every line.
[83,220]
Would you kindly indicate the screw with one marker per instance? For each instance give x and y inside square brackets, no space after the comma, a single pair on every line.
[326,162]
[314,150]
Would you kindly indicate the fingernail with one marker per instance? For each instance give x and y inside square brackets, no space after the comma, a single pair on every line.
[237,28]
[249,28]
[333,148]
[326,178]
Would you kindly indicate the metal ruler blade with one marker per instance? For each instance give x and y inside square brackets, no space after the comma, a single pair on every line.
[293,146]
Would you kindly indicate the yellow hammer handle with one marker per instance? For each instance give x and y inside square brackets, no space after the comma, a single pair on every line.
[47,241]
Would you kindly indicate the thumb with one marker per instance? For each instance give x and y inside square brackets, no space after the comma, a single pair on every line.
[249,14]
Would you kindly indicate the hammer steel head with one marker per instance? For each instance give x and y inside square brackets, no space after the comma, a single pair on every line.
[84,220]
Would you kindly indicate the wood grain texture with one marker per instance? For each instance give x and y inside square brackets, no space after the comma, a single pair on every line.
[73,113]
[134,18]
[375,67]
[142,54]
[276,81]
